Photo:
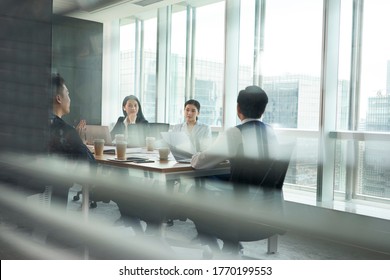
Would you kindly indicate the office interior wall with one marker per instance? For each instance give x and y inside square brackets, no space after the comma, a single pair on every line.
[25,63]
[78,57]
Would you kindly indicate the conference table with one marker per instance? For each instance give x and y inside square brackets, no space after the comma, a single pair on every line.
[151,166]
[169,172]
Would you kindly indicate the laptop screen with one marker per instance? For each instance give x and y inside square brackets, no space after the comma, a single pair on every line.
[97,132]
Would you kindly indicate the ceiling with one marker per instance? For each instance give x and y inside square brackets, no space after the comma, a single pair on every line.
[107,10]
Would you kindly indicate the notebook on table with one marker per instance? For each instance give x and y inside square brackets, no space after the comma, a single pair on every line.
[180,145]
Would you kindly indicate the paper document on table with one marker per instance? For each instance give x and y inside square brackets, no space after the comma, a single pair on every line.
[179,140]
[180,145]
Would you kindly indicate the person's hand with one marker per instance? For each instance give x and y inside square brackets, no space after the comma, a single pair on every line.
[81,129]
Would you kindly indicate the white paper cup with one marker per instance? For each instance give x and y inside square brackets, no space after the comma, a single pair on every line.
[121,150]
[150,143]
[119,137]
[98,146]
[163,153]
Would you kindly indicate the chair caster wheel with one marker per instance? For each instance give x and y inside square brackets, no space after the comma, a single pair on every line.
[93,204]
[76,198]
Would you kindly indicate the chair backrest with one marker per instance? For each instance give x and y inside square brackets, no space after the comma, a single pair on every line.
[277,171]
[262,202]
[264,172]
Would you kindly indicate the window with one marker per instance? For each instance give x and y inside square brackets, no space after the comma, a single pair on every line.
[138,43]
[178,67]
[292,61]
[148,69]
[288,42]
[209,61]
[375,65]
[127,60]
[247,43]
[290,75]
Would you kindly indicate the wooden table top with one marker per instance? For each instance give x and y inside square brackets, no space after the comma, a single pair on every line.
[157,165]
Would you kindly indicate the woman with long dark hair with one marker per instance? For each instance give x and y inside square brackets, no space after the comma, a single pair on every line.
[132,115]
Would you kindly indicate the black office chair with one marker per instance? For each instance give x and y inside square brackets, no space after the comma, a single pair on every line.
[92,202]
[266,196]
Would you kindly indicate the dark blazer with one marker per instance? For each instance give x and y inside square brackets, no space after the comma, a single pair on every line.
[119,127]
[250,171]
[136,133]
[64,140]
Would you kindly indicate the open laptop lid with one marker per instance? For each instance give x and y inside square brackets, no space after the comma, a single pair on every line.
[180,145]
[97,132]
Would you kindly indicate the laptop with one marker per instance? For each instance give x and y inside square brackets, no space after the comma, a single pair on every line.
[97,132]
[180,145]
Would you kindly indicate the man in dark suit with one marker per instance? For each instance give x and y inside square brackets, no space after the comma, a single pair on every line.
[250,148]
[252,139]
[64,139]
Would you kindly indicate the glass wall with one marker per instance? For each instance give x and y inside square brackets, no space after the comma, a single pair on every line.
[374,101]
[148,69]
[343,95]
[291,76]
[287,37]
[375,67]
[208,82]
[138,52]
[127,60]
[247,44]
[178,61]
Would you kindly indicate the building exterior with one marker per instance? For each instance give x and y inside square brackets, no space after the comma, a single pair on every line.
[376,164]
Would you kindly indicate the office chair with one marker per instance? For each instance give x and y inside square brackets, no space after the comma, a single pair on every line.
[266,196]
[92,203]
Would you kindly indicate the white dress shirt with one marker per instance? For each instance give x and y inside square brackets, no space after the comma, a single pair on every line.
[226,146]
[200,135]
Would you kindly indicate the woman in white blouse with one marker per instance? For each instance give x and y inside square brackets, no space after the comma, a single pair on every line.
[199,133]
